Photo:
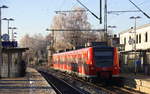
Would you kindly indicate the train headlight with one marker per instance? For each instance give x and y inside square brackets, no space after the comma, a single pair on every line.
[92,68]
[115,67]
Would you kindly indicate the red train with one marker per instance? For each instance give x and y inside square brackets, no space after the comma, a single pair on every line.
[90,62]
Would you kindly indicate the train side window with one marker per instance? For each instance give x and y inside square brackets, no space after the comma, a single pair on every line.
[66,59]
[58,60]
[69,59]
[80,60]
[62,60]
[54,60]
[84,60]
[76,60]
[73,61]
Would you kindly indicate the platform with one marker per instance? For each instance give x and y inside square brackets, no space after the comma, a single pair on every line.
[32,83]
[138,82]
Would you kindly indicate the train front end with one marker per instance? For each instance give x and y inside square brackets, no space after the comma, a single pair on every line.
[106,62]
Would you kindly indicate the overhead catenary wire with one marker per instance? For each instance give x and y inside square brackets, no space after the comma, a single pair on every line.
[71,11]
[139,9]
[122,11]
[88,10]
[141,3]
[75,29]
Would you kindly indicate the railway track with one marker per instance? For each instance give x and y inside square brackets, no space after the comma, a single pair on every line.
[99,88]
[61,86]
[108,88]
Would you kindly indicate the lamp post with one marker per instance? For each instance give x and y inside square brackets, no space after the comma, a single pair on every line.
[1,7]
[105,21]
[12,35]
[135,18]
[51,48]
[8,19]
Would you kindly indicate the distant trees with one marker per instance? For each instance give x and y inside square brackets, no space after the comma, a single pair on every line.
[77,20]
[37,47]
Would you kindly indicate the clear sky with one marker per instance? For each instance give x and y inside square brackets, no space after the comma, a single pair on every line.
[34,16]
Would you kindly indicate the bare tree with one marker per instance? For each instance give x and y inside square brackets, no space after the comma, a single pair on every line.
[37,47]
[73,20]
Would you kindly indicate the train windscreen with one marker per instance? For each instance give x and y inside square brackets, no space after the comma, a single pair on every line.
[103,57]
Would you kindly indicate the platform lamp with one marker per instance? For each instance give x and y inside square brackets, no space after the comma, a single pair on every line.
[1,7]
[8,19]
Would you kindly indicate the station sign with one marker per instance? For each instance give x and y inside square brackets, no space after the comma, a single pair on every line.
[6,44]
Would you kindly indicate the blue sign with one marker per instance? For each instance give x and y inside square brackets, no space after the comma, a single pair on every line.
[5,37]
[9,43]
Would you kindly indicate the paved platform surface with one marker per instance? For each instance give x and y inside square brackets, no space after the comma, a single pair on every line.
[138,82]
[32,83]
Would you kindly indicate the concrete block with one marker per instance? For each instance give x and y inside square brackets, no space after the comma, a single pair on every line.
[146,84]
[138,82]
[143,89]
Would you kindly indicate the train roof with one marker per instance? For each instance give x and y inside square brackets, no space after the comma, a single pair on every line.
[72,51]
[79,49]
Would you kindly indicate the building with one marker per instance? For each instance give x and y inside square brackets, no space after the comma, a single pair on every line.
[12,64]
[141,37]
[136,47]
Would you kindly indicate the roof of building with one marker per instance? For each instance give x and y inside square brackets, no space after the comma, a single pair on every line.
[14,49]
[140,27]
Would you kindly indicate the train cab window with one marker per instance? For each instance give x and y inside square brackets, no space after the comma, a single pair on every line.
[103,57]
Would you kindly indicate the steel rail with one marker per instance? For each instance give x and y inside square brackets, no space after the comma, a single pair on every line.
[70,88]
